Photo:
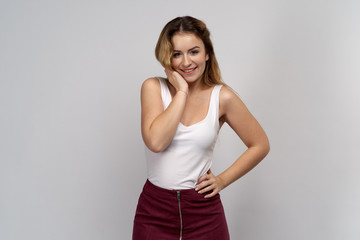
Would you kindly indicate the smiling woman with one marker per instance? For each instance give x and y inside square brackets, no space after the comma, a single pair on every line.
[165,50]
[181,116]
[189,58]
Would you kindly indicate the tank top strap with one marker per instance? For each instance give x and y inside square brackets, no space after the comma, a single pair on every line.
[214,104]
[165,92]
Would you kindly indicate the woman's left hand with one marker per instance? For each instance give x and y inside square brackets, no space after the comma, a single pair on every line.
[209,183]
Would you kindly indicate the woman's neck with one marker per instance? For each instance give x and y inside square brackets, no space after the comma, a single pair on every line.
[197,86]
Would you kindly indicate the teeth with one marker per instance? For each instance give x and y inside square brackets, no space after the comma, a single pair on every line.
[189,70]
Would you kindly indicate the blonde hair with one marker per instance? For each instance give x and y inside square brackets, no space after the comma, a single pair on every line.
[187,24]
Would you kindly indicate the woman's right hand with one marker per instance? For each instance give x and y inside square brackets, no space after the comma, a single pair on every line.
[177,81]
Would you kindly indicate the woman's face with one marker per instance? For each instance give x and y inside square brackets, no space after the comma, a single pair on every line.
[189,58]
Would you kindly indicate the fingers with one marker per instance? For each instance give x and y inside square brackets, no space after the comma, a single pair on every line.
[177,80]
[208,183]
[213,193]
[172,75]
[206,189]
[203,185]
[202,178]
[201,182]
[212,189]
[168,73]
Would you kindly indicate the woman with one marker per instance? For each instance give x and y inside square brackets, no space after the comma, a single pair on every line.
[180,120]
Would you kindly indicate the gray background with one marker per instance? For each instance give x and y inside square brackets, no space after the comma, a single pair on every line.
[71,155]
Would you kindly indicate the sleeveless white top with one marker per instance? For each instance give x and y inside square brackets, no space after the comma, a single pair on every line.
[190,153]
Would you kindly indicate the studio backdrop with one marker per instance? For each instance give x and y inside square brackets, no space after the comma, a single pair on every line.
[72,160]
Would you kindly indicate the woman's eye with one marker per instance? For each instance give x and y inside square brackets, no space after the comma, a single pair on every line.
[176,54]
[194,52]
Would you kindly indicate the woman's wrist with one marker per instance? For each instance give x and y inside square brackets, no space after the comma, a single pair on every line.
[186,93]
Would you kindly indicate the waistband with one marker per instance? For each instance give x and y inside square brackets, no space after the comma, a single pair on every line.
[190,194]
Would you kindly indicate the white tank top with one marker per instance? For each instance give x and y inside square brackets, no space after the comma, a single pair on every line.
[190,153]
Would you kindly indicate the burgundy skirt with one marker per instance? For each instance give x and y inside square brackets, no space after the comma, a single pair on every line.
[163,214]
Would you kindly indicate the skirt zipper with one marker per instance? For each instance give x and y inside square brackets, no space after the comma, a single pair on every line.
[181,224]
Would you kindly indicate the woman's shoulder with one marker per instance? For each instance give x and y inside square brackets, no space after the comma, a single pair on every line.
[151,83]
[227,94]
[230,102]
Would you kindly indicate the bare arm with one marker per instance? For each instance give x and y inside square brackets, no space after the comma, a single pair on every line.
[235,113]
[158,127]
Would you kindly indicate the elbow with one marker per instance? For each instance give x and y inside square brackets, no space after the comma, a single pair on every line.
[153,142]
[155,149]
[155,146]
[262,148]
[267,149]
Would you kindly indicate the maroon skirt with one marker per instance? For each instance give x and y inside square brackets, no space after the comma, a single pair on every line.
[163,214]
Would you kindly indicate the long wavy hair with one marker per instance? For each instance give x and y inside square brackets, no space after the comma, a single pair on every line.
[187,24]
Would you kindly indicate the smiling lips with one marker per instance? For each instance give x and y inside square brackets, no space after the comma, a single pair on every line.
[189,70]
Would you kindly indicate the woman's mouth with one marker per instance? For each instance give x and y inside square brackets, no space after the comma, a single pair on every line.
[189,70]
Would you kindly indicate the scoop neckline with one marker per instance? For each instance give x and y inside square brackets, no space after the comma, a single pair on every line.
[208,110]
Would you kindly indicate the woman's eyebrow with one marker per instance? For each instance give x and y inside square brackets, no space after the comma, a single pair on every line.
[188,50]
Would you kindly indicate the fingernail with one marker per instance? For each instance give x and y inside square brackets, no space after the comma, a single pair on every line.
[196,189]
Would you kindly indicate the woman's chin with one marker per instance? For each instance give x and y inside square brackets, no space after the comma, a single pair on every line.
[190,79]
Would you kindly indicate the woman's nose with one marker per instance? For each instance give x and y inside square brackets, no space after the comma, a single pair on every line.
[186,60]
